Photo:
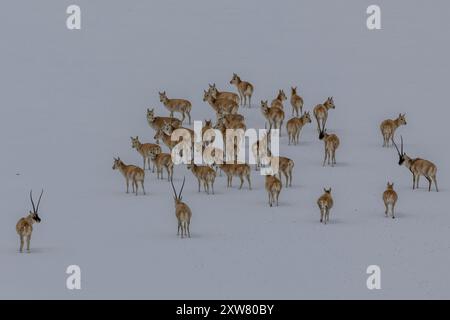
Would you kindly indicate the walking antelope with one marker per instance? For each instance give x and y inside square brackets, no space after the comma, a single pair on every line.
[274,116]
[162,160]
[321,113]
[223,94]
[331,142]
[295,125]
[285,166]
[296,102]
[245,89]
[205,175]
[389,126]
[418,167]
[238,170]
[144,150]
[176,105]
[325,203]
[130,172]
[182,212]
[157,122]
[278,101]
[220,106]
[390,198]
[273,188]
[24,226]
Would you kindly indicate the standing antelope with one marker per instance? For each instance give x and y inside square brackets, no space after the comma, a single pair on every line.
[296,102]
[274,116]
[295,125]
[418,167]
[157,122]
[182,212]
[278,101]
[245,89]
[130,172]
[238,170]
[223,94]
[273,188]
[389,126]
[162,160]
[205,175]
[176,105]
[24,226]
[285,167]
[390,198]
[144,150]
[325,203]
[321,113]
[220,106]
[166,139]
[331,142]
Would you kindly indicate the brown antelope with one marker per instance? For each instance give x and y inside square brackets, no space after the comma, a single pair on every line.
[285,167]
[24,226]
[166,139]
[162,160]
[273,188]
[130,172]
[260,150]
[295,125]
[245,89]
[223,94]
[182,212]
[232,122]
[232,117]
[390,198]
[389,126]
[176,105]
[144,150]
[208,125]
[418,167]
[321,113]
[325,203]
[331,142]
[157,122]
[220,106]
[205,175]
[238,170]
[296,102]
[274,116]
[278,101]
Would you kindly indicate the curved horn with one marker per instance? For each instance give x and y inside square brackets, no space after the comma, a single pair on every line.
[401,146]
[182,186]
[173,187]
[32,202]
[39,201]
[395,145]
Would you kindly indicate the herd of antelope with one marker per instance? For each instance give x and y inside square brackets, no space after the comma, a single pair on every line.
[226,107]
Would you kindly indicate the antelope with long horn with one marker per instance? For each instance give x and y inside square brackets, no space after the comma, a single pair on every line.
[321,113]
[24,226]
[418,167]
[182,212]
[331,143]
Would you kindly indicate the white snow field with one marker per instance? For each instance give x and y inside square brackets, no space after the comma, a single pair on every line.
[71,99]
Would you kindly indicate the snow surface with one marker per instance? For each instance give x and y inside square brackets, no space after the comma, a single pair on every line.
[70,100]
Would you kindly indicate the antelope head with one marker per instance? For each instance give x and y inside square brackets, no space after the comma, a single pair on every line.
[34,213]
[401,155]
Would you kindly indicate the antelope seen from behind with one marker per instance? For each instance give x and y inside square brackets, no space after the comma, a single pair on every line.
[331,143]
[295,125]
[321,113]
[131,173]
[278,101]
[223,94]
[176,105]
[389,126]
[244,88]
[205,175]
[24,226]
[273,187]
[144,150]
[296,102]
[325,203]
[182,212]
[390,199]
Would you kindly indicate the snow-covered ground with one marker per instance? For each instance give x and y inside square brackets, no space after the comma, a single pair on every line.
[70,100]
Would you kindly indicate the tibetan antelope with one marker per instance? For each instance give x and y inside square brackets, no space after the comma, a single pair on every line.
[157,122]
[390,198]
[182,212]
[162,160]
[418,167]
[285,167]
[238,170]
[223,94]
[278,101]
[331,142]
[295,125]
[24,226]
[144,150]
[389,126]
[245,89]
[220,106]
[176,105]
[166,139]
[273,188]
[260,149]
[274,116]
[130,172]
[325,203]
[296,102]
[205,175]
[232,122]
[321,113]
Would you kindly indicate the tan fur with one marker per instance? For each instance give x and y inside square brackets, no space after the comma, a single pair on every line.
[144,150]
[245,89]
[274,116]
[325,203]
[273,188]
[131,173]
[285,167]
[166,139]
[321,113]
[295,125]
[390,199]
[232,123]
[24,226]
[278,101]
[296,102]
[161,161]
[221,106]
[157,122]
[205,175]
[331,142]
[237,170]
[182,212]
[223,94]
[176,105]
[388,128]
